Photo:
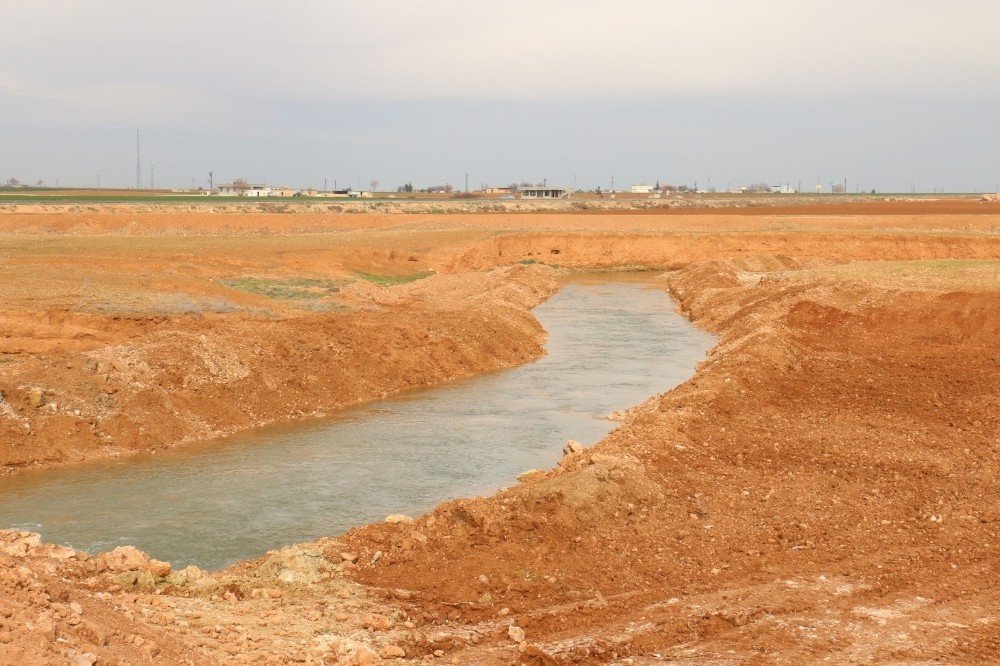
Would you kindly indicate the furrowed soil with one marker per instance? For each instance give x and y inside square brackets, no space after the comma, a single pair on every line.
[822,489]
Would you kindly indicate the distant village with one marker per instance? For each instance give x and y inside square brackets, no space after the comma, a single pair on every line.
[242,188]
[524,190]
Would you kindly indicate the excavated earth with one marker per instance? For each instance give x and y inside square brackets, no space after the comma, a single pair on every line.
[822,489]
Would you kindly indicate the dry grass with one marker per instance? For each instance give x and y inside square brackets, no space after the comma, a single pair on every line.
[931,275]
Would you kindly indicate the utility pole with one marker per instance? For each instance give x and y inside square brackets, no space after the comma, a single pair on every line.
[324,184]
[612,184]
[152,181]
[138,163]
[466,182]
[98,181]
[211,182]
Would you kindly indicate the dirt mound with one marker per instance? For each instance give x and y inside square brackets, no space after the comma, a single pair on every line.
[816,445]
[51,611]
[185,378]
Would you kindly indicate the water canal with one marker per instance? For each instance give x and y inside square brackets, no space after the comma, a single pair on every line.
[614,340]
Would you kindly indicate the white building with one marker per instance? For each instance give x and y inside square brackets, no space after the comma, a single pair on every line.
[543,192]
[642,189]
[258,191]
[240,189]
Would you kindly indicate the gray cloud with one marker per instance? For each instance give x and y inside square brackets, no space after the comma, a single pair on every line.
[427,89]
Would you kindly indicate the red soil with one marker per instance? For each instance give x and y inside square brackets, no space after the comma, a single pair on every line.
[822,489]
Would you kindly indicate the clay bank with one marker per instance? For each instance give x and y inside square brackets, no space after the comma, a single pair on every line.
[612,342]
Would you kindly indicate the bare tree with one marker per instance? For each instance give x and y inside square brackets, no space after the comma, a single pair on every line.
[374,185]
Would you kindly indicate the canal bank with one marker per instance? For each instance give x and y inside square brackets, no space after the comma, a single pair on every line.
[614,339]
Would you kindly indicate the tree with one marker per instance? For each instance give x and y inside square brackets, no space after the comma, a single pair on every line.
[448,188]
[838,188]
[406,187]
[374,185]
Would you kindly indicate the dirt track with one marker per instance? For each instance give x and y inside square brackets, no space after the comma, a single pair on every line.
[823,488]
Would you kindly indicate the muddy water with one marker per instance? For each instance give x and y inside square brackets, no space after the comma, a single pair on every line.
[613,342]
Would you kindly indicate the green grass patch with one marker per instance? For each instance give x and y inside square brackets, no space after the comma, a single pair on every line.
[295,288]
[32,198]
[392,280]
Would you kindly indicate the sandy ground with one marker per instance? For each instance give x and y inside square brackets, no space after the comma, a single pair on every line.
[823,489]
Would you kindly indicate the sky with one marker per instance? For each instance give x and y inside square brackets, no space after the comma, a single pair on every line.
[891,95]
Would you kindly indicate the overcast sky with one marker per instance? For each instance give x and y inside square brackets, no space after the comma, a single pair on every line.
[884,93]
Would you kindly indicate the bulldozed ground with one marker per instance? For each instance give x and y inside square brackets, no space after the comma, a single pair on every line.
[823,488]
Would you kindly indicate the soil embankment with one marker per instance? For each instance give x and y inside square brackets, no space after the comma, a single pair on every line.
[822,488]
[100,386]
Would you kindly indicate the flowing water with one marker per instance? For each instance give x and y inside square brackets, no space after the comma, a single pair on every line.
[614,340]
